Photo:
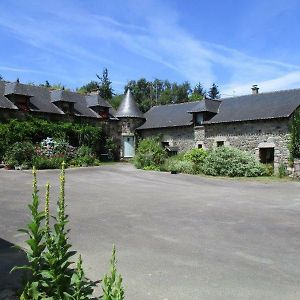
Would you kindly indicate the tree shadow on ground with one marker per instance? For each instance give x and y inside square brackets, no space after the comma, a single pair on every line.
[10,256]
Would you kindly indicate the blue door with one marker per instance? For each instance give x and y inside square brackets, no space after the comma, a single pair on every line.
[128,144]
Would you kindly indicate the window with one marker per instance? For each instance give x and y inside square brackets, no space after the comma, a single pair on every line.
[199,146]
[199,119]
[266,155]
[220,143]
[165,144]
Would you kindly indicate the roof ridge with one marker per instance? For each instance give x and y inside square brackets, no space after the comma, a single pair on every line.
[263,93]
[170,104]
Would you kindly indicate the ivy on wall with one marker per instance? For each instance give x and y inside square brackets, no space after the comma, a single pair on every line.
[294,143]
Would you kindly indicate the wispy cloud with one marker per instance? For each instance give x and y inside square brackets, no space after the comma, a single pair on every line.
[81,36]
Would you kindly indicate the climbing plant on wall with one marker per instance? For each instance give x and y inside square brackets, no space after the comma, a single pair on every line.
[294,143]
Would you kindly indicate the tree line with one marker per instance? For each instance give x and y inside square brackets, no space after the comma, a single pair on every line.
[149,93]
[146,93]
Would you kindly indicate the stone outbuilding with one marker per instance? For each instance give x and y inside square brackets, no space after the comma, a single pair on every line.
[258,123]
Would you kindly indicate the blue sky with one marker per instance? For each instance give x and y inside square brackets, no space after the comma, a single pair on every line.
[230,42]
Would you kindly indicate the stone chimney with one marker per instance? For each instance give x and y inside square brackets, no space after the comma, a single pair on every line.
[255,89]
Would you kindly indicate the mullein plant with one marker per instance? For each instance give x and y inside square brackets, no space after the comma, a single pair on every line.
[50,270]
[36,246]
[112,282]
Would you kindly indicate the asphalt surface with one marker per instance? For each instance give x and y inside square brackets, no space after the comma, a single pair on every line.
[177,236]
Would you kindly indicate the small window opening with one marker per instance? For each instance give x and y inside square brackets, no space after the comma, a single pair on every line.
[200,146]
[220,143]
[266,155]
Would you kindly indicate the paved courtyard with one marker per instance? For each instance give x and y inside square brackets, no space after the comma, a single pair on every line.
[177,236]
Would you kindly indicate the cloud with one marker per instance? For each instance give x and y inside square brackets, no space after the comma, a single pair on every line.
[81,37]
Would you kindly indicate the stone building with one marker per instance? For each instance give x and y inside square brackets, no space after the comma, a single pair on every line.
[258,123]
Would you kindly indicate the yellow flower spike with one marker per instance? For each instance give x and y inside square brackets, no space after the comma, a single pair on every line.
[47,222]
[62,193]
[34,181]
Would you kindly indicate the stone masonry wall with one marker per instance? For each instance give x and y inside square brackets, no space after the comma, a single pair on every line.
[181,137]
[249,136]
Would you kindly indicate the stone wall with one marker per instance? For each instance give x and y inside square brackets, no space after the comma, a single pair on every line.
[181,137]
[249,136]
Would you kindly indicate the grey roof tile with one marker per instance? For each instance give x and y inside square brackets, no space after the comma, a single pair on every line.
[128,107]
[170,115]
[4,102]
[279,104]
[94,100]
[17,88]
[206,105]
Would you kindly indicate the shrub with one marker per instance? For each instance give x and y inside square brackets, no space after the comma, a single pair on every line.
[41,162]
[282,170]
[84,157]
[149,153]
[294,141]
[151,168]
[35,129]
[20,153]
[225,161]
[50,147]
[268,169]
[178,164]
[197,157]
[49,254]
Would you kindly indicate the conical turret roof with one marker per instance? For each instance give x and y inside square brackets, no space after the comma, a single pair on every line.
[128,107]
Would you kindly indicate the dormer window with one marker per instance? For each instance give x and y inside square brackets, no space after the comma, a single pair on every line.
[19,95]
[98,104]
[66,107]
[63,100]
[198,119]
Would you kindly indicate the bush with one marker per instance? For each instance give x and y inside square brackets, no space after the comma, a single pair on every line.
[197,157]
[149,153]
[20,153]
[225,161]
[268,169]
[35,129]
[282,170]
[41,162]
[178,164]
[294,140]
[84,157]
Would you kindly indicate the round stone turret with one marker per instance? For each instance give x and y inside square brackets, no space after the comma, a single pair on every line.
[130,118]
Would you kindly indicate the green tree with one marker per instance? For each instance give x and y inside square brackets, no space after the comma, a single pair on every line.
[105,88]
[214,92]
[198,93]
[89,87]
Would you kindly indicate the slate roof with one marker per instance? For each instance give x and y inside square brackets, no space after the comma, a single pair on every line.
[63,95]
[170,115]
[206,105]
[128,107]
[260,106]
[94,100]
[4,102]
[42,99]
[17,88]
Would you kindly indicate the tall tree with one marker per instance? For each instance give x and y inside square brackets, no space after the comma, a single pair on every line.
[198,93]
[214,92]
[105,88]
